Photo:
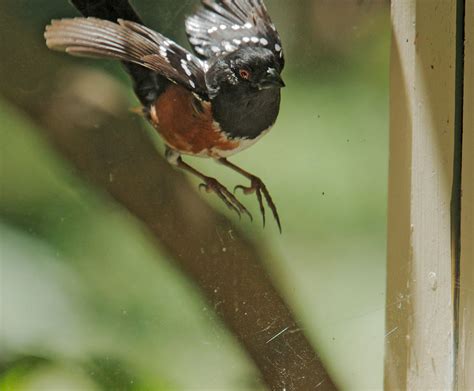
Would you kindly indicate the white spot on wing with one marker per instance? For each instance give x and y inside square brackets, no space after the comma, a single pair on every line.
[254,39]
[228,47]
[195,41]
[184,65]
[212,30]
[204,65]
[246,39]
[263,41]
[223,26]
[277,47]
[164,53]
[248,25]
[193,28]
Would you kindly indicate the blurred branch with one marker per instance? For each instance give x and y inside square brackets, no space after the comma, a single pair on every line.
[84,115]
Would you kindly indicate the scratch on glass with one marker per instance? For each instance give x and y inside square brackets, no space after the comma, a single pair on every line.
[277,335]
[391,332]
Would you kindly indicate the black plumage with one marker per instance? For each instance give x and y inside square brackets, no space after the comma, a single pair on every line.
[244,110]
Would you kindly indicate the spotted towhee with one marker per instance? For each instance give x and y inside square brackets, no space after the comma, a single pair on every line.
[213,103]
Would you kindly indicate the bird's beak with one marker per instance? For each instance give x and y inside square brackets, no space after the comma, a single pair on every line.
[271,80]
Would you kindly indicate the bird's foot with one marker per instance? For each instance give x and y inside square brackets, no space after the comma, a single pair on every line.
[211,185]
[259,188]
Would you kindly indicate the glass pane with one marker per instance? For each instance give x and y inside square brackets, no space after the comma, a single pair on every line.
[117,273]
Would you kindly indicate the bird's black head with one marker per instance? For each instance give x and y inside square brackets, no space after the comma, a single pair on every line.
[244,87]
[249,69]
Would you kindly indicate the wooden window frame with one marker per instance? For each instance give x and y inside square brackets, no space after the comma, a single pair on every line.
[430,270]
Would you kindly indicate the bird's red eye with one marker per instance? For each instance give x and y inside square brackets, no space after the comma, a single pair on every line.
[244,74]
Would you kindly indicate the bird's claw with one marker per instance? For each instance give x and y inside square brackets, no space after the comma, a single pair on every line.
[205,187]
[258,187]
[245,189]
[212,185]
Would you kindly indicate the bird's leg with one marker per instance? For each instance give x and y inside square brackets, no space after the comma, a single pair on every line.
[257,187]
[209,184]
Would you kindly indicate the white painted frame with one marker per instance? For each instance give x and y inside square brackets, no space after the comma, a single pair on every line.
[429,345]
[465,370]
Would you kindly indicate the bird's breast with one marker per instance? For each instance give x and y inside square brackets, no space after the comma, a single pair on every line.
[187,125]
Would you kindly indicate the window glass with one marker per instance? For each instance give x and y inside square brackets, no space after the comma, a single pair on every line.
[103,292]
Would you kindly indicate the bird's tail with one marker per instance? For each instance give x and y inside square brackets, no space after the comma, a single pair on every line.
[147,84]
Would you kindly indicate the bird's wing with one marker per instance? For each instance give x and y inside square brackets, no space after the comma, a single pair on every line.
[128,41]
[222,26]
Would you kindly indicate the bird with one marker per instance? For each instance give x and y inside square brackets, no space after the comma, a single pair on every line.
[212,101]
